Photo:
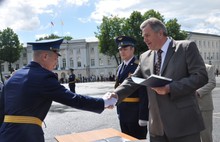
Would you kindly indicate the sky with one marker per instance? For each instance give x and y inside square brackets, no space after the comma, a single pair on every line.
[32,19]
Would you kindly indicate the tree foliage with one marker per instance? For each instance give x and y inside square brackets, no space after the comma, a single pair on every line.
[10,47]
[53,36]
[173,29]
[114,26]
[107,31]
[134,21]
[152,13]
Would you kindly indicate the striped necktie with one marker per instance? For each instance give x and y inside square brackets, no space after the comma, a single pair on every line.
[158,63]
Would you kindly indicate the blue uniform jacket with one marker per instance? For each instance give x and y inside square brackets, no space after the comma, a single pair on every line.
[30,92]
[127,111]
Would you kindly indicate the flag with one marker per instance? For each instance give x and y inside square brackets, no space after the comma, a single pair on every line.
[51,23]
[61,22]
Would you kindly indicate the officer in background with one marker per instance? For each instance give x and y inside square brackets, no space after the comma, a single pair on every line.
[133,111]
[29,93]
[72,81]
[204,97]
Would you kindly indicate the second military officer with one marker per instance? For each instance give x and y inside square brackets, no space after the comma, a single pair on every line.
[133,111]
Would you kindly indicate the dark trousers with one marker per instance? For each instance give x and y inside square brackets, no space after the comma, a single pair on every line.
[133,129]
[72,88]
[189,138]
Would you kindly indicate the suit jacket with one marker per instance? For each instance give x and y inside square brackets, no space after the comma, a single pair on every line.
[30,92]
[205,93]
[132,111]
[177,113]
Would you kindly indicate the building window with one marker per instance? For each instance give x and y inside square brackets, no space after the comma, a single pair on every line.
[71,51]
[17,66]
[71,62]
[92,62]
[78,51]
[209,55]
[216,56]
[92,50]
[64,63]
[79,62]
[24,55]
[109,61]
[101,62]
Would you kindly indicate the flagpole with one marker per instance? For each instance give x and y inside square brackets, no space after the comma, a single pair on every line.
[62,27]
[51,26]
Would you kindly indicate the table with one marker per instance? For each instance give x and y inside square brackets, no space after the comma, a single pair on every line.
[90,136]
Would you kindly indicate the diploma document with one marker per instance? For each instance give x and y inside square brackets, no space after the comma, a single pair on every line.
[152,81]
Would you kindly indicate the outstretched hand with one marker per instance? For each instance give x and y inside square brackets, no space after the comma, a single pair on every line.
[110,99]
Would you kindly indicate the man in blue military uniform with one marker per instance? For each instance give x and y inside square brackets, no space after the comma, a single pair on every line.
[28,95]
[133,111]
[72,81]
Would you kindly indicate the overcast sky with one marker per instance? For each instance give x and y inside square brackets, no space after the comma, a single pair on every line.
[31,19]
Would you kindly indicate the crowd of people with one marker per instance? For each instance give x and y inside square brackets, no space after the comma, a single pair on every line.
[91,78]
[180,111]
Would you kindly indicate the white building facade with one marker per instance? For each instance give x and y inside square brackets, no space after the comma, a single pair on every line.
[85,59]
[209,47]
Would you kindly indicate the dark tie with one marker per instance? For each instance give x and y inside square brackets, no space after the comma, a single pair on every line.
[158,63]
[123,67]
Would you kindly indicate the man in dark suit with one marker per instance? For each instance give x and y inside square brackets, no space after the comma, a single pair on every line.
[72,81]
[28,95]
[174,114]
[133,111]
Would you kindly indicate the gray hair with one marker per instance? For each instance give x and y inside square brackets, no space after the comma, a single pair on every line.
[155,24]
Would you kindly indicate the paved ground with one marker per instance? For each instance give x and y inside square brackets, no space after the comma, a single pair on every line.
[65,120]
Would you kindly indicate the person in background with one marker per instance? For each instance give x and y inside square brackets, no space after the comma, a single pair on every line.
[133,111]
[7,77]
[174,114]
[29,93]
[204,97]
[217,72]
[72,81]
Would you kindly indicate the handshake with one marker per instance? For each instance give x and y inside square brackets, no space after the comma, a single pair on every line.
[110,99]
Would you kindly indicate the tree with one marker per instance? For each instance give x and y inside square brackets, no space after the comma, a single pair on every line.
[52,36]
[67,37]
[107,31]
[152,13]
[10,47]
[173,29]
[134,21]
